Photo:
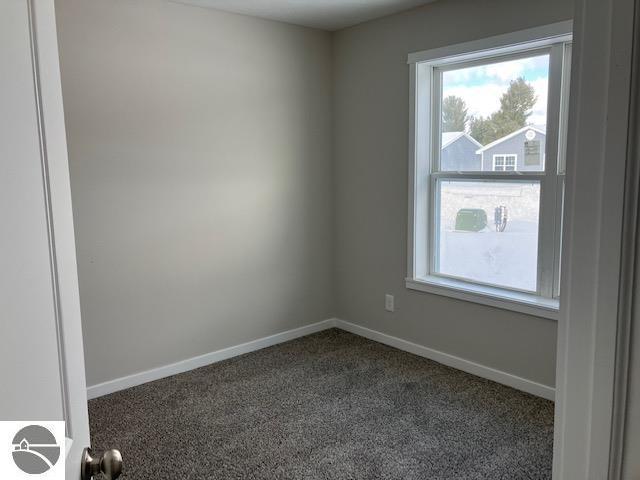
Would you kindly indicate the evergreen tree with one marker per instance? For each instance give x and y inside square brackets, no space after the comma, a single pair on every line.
[516,105]
[482,129]
[454,114]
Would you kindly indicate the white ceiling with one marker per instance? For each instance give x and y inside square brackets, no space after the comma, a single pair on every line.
[323,14]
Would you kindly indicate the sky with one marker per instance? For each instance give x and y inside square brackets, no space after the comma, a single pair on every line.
[481,87]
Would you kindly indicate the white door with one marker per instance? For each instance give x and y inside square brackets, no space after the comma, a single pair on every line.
[42,361]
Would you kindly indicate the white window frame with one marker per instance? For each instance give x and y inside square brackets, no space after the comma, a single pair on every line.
[423,173]
[504,165]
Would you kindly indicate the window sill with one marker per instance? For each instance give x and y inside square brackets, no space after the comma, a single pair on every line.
[491,296]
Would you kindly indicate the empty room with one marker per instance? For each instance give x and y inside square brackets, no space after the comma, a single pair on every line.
[319,239]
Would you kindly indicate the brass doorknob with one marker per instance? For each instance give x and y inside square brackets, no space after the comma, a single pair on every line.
[109,463]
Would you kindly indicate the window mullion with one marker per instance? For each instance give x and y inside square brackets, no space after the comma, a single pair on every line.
[436,142]
[436,115]
[434,214]
[549,184]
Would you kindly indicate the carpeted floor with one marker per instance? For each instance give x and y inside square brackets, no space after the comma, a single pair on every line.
[328,406]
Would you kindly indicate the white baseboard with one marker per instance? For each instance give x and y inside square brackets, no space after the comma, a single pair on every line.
[117,384]
[468,366]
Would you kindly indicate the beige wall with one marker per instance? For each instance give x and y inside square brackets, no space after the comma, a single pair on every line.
[370,129]
[199,145]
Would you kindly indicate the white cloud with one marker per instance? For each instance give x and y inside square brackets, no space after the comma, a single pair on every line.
[501,72]
[506,71]
[483,100]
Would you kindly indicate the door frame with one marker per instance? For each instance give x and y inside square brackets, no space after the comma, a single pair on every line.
[57,188]
[600,224]
[629,299]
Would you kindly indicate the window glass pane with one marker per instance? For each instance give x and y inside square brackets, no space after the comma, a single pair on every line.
[497,108]
[487,231]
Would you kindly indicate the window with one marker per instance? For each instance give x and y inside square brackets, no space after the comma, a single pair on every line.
[504,163]
[486,169]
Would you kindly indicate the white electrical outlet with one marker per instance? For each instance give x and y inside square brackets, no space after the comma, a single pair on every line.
[388,303]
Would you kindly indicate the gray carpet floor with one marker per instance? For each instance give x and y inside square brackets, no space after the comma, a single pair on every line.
[327,406]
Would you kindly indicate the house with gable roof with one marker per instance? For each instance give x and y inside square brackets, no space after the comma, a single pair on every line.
[458,152]
[522,150]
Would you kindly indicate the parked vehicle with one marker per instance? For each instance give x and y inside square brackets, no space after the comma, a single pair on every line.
[471,219]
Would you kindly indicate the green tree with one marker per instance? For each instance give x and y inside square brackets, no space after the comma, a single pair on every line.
[517,102]
[454,114]
[482,129]
[516,105]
